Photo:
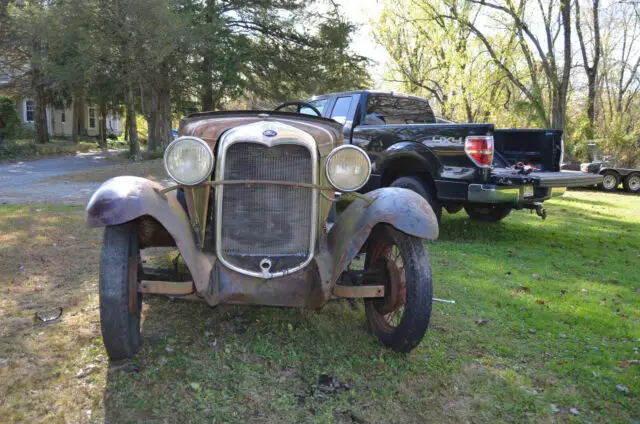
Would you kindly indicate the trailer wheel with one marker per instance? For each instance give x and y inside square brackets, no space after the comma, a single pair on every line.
[487,213]
[631,184]
[610,181]
[423,189]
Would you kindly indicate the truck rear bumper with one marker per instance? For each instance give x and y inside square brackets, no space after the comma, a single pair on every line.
[489,193]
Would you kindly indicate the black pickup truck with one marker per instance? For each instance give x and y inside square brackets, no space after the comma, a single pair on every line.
[486,171]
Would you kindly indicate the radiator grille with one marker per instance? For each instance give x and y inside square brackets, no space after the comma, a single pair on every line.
[266,221]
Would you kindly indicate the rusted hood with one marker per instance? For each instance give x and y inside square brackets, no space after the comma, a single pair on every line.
[209,126]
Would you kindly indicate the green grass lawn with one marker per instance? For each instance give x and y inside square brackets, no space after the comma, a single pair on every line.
[561,340]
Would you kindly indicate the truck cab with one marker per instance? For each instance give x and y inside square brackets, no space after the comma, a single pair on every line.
[486,171]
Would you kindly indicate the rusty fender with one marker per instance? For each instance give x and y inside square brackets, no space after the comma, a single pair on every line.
[403,209]
[123,199]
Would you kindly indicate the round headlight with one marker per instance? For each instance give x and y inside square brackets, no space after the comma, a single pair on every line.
[348,168]
[188,160]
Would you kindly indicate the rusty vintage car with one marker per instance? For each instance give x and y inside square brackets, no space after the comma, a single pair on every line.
[264,211]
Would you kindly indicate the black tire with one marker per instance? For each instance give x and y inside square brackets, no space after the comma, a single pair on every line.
[610,181]
[415,308]
[631,184]
[487,213]
[120,328]
[423,189]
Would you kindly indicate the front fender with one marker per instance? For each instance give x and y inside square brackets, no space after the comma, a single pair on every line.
[123,199]
[404,209]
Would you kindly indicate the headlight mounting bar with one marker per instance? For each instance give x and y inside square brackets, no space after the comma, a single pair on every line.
[274,182]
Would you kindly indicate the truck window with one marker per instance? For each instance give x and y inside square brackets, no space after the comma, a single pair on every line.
[391,110]
[319,104]
[341,109]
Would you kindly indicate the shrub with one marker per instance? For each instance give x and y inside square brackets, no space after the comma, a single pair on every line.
[9,122]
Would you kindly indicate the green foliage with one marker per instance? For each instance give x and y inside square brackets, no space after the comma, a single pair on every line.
[9,121]
[28,149]
[448,64]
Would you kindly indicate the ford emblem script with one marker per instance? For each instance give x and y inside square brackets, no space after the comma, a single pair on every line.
[269,133]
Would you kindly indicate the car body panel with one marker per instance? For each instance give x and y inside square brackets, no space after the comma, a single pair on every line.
[403,209]
[210,126]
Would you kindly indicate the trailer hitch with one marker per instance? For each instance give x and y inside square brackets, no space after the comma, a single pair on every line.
[540,210]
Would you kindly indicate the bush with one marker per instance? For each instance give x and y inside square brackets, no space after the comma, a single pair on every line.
[26,149]
[9,122]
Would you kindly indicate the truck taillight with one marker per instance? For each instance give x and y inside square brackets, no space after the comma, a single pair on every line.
[479,148]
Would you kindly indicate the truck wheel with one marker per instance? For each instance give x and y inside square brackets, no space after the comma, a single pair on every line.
[631,184]
[487,213]
[400,318]
[416,184]
[120,302]
[610,181]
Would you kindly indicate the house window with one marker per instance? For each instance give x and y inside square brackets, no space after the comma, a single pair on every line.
[30,110]
[63,118]
[92,117]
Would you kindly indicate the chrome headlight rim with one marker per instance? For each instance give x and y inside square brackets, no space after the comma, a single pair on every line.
[333,153]
[173,145]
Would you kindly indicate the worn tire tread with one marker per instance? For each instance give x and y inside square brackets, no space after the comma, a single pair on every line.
[115,321]
[417,313]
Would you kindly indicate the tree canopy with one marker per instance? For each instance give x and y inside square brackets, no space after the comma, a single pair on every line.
[162,58]
[567,65]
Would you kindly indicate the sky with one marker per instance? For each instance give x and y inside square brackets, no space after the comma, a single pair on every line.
[361,12]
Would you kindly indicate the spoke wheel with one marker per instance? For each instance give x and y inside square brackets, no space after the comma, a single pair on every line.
[401,318]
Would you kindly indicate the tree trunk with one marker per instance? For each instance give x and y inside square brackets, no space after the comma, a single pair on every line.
[42,132]
[591,71]
[126,126]
[559,112]
[153,123]
[134,145]
[206,95]
[74,119]
[80,110]
[166,120]
[103,126]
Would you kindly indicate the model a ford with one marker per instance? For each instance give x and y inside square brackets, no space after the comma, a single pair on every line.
[264,211]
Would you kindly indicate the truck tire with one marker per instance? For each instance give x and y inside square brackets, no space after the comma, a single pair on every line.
[423,189]
[610,181]
[118,282]
[487,213]
[631,184]
[401,318]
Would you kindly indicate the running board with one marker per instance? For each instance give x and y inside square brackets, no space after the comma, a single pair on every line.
[166,287]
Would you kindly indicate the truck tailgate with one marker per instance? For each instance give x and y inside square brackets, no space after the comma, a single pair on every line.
[545,179]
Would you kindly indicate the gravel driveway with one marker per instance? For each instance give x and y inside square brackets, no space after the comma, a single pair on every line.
[22,182]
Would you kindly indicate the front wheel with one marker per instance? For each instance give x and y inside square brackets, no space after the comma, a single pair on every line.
[632,183]
[401,318]
[120,302]
[487,213]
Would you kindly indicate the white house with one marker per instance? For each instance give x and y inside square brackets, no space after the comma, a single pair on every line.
[60,121]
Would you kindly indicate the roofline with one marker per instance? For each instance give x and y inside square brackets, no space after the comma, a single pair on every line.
[390,93]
